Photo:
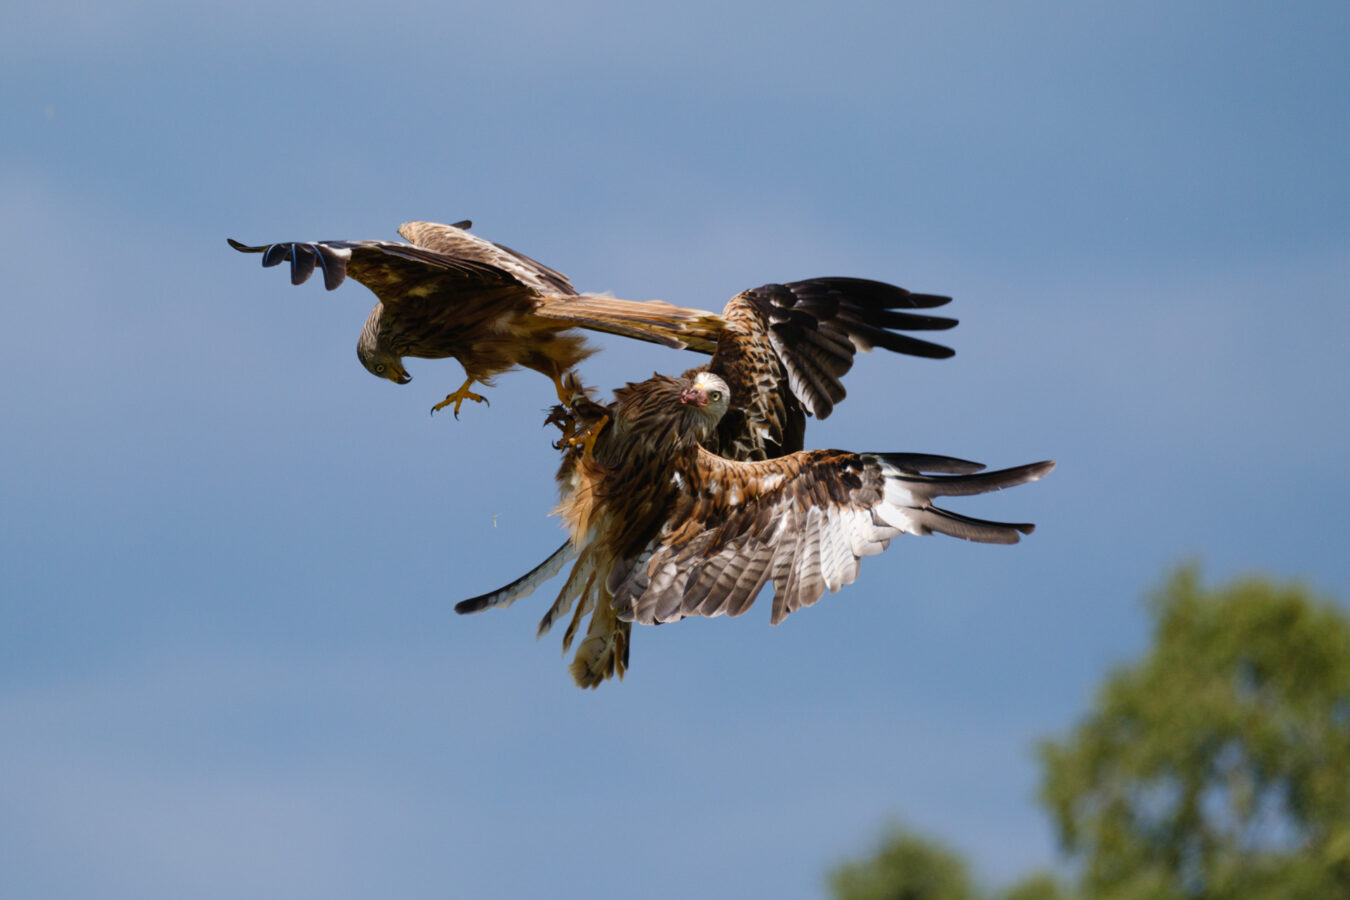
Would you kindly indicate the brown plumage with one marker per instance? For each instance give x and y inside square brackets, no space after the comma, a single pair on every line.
[781,352]
[667,529]
[664,529]
[451,293]
[784,349]
[695,492]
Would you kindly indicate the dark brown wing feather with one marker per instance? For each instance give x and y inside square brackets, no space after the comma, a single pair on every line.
[787,347]
[397,273]
[816,327]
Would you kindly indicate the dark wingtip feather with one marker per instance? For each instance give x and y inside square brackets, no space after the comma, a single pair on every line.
[303,258]
[275,255]
[926,301]
[868,292]
[475,604]
[983,482]
[900,343]
[918,463]
[907,321]
[969,528]
[869,312]
[1046,465]
[334,267]
[1034,471]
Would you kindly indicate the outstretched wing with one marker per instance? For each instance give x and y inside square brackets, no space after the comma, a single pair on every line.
[787,347]
[650,320]
[447,271]
[803,521]
[457,242]
[401,275]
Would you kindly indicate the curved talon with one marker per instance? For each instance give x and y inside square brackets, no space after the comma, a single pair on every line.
[586,440]
[564,421]
[458,398]
[475,397]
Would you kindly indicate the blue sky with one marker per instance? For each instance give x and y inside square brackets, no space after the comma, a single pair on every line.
[228,660]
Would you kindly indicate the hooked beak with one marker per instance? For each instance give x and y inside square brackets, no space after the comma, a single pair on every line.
[693,396]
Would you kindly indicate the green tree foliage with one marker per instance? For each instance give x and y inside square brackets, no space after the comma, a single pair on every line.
[1041,886]
[1218,766]
[904,867]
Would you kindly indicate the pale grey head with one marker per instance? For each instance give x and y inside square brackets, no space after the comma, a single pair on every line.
[703,404]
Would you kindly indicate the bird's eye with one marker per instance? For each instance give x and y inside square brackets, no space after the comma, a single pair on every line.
[714,396]
[379,368]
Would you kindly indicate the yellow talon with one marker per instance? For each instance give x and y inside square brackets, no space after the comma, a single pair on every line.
[587,441]
[458,398]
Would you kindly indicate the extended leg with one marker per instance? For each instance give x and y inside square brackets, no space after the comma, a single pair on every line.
[570,390]
[458,398]
[564,395]
[586,440]
[577,406]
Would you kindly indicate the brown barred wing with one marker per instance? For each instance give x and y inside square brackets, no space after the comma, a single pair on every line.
[803,522]
[457,242]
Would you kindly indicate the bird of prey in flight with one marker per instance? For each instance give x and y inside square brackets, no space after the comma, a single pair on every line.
[450,293]
[693,493]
